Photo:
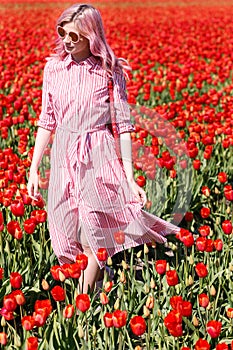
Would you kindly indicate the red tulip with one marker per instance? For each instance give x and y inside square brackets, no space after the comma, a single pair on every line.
[203,300]
[222,177]
[104,298]
[214,328]
[44,305]
[227,227]
[205,212]
[1,273]
[74,270]
[82,260]
[141,181]
[55,272]
[16,280]
[202,344]
[29,225]
[201,270]
[222,346]
[19,297]
[40,317]
[14,229]
[28,322]
[205,190]
[102,254]
[138,325]
[108,286]
[160,266]
[108,321]
[8,315]
[209,245]
[189,216]
[176,302]
[58,293]
[1,221]
[185,237]
[17,207]
[83,302]
[32,343]
[218,244]
[172,277]
[186,308]
[196,164]
[119,318]
[9,302]
[201,243]
[230,312]
[119,237]
[3,338]
[204,230]
[68,311]
[173,322]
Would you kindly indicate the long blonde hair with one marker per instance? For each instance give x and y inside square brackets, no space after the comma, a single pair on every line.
[88,22]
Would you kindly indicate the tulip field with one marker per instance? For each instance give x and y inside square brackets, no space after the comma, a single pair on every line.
[177,296]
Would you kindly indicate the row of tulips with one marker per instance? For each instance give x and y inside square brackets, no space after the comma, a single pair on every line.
[177,296]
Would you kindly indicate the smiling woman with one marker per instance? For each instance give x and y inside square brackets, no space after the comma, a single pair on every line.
[92,195]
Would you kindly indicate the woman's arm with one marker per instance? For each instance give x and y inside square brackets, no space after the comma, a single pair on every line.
[126,154]
[42,139]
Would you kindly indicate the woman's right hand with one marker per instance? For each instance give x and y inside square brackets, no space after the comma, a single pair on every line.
[32,185]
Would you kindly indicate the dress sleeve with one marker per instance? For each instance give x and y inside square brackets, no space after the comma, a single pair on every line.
[47,118]
[121,105]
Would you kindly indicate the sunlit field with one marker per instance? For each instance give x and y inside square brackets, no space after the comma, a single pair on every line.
[177,296]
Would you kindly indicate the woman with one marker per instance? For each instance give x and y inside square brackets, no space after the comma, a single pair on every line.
[93,199]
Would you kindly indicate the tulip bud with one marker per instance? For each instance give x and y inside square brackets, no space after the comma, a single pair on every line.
[117,304]
[167,266]
[212,291]
[190,280]
[45,285]
[62,277]
[218,221]
[109,261]
[230,267]
[146,249]
[124,265]
[3,322]
[146,288]
[152,283]
[159,313]
[138,347]
[80,331]
[228,210]
[160,141]
[209,307]
[139,254]
[75,294]
[191,261]
[94,330]
[216,190]
[122,277]
[17,341]
[146,311]
[195,321]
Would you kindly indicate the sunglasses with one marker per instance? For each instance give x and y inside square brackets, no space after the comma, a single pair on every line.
[74,37]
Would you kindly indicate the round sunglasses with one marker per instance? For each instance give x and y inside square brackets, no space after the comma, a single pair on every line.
[74,37]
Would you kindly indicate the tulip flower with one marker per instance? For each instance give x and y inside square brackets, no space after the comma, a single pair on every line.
[202,344]
[119,237]
[138,325]
[222,177]
[172,277]
[32,343]
[204,230]
[74,270]
[28,322]
[83,302]
[104,298]
[141,180]
[29,225]
[3,338]
[108,286]
[58,293]
[102,254]
[222,346]
[82,260]
[44,305]
[230,312]
[214,327]
[1,273]
[119,318]
[201,270]
[16,280]
[19,297]
[68,311]
[227,227]
[205,212]
[160,266]
[203,300]
[108,321]
[218,244]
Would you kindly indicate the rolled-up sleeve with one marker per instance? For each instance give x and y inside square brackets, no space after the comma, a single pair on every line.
[47,118]
[121,105]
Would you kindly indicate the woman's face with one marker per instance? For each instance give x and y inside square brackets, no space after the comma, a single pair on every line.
[80,49]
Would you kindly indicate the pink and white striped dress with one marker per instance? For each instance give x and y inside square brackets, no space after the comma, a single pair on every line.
[88,189]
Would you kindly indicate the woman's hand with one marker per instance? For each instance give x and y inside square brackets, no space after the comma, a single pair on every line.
[138,191]
[32,185]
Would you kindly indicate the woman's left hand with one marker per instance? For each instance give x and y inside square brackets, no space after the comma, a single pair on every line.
[138,191]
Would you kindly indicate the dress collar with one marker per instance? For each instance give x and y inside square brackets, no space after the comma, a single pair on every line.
[90,61]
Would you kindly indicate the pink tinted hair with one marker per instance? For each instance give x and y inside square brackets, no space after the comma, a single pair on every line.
[88,22]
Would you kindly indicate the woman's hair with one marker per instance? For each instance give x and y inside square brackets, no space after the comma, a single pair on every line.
[88,22]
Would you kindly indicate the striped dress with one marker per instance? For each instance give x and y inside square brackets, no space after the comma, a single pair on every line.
[88,192]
